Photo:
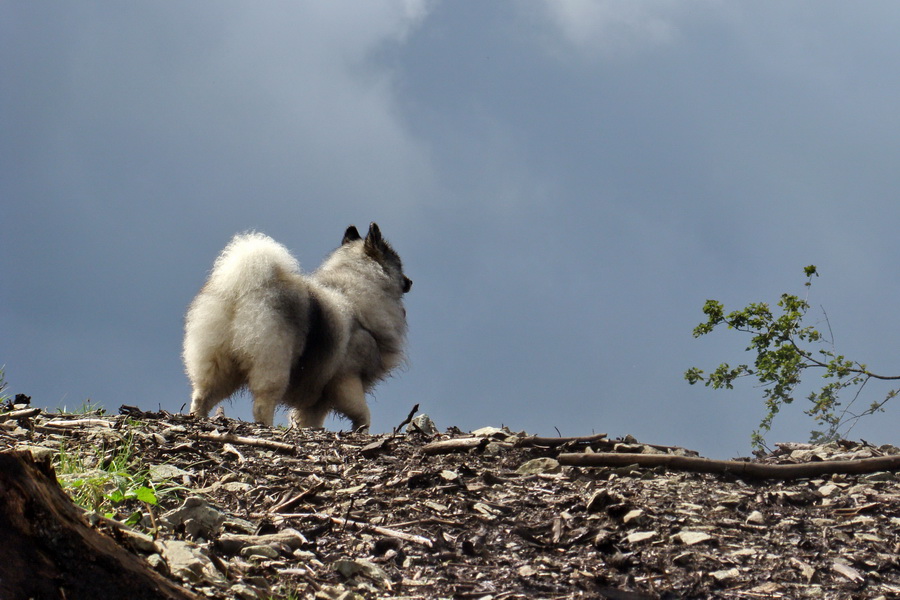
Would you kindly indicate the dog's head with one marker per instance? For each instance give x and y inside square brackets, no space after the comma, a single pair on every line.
[379,250]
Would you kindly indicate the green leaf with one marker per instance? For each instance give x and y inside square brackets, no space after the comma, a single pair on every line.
[145,494]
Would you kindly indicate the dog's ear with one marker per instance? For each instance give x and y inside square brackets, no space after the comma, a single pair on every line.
[374,241]
[374,233]
[351,235]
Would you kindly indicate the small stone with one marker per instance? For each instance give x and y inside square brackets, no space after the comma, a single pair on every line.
[233,543]
[880,476]
[492,432]
[422,424]
[157,563]
[806,569]
[336,592]
[352,568]
[243,591]
[726,574]
[237,487]
[539,465]
[494,449]
[689,538]
[164,472]
[198,518]
[756,518]
[598,500]
[39,453]
[259,551]
[640,536]
[633,516]
[527,571]
[828,489]
[186,561]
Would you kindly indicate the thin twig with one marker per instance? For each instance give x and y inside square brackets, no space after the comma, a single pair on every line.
[408,418]
[416,539]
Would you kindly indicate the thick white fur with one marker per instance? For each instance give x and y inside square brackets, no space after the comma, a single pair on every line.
[248,327]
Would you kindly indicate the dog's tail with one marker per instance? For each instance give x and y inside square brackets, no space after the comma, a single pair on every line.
[249,263]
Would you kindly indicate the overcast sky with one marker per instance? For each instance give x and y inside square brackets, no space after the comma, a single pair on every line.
[567,182]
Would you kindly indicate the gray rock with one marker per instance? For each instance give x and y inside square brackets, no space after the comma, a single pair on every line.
[39,452]
[539,465]
[260,551]
[243,592]
[422,424]
[352,568]
[187,562]
[197,516]
[234,543]
[164,472]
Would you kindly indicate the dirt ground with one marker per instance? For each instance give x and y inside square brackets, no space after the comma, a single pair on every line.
[245,511]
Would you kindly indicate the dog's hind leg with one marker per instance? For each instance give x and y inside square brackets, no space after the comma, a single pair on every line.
[266,398]
[348,397]
[212,384]
[268,382]
[310,416]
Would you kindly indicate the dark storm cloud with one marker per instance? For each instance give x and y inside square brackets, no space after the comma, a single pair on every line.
[566,181]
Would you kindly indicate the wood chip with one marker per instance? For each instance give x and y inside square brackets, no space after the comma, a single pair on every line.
[847,571]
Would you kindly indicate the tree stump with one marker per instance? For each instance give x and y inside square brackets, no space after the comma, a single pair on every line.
[48,551]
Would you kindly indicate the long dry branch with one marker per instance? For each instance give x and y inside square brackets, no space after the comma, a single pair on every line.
[215,436]
[534,440]
[22,413]
[739,468]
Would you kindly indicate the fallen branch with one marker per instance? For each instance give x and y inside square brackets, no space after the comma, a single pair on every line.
[455,445]
[742,469]
[385,531]
[22,413]
[215,436]
[552,442]
[78,423]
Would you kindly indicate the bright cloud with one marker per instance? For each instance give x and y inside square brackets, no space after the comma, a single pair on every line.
[610,28]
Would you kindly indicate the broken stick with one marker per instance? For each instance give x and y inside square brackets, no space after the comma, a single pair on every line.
[533,440]
[385,531]
[22,413]
[247,441]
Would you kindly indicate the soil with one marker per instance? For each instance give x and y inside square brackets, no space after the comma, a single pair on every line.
[246,511]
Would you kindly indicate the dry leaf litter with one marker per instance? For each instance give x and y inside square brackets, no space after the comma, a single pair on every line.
[259,513]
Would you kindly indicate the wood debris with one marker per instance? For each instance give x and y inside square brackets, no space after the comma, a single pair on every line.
[259,513]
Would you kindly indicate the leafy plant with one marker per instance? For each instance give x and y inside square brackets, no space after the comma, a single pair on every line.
[108,480]
[785,348]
